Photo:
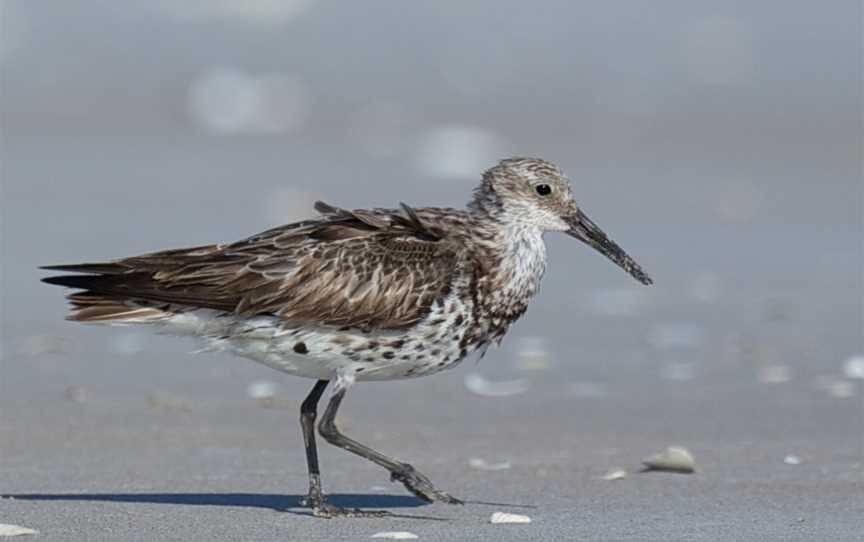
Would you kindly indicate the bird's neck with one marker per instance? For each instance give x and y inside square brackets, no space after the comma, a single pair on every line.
[521,260]
[516,260]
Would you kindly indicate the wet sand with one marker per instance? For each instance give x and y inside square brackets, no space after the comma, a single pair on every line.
[170,447]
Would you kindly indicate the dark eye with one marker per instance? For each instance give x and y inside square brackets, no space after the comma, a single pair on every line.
[543,189]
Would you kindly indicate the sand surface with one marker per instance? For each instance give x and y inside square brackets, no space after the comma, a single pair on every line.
[171,448]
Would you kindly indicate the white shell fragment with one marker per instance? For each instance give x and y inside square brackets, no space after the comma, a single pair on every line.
[854,367]
[481,464]
[478,384]
[615,474]
[672,459]
[15,530]
[261,389]
[395,535]
[504,517]
[792,460]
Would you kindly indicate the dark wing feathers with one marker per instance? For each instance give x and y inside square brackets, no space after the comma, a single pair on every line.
[97,268]
[413,222]
[367,268]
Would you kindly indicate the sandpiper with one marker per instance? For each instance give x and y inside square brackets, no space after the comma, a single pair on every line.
[378,294]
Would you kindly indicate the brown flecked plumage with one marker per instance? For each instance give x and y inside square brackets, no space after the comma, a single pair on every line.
[372,269]
[356,295]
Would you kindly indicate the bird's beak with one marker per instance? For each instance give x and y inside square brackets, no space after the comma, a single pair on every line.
[583,229]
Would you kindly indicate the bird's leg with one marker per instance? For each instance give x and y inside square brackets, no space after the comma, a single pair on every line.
[308,414]
[315,500]
[414,481]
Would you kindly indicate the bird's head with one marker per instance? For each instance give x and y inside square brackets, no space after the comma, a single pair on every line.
[535,193]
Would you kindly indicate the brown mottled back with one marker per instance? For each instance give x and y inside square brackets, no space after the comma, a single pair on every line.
[366,268]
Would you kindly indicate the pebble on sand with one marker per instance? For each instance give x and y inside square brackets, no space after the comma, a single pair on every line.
[504,517]
[672,459]
[15,530]
[615,474]
[395,535]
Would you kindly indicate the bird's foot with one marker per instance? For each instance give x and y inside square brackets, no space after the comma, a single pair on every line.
[421,486]
[323,509]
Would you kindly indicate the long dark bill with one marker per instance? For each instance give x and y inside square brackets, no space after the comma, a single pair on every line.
[582,228]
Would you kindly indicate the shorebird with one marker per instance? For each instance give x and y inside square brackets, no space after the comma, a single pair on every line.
[378,294]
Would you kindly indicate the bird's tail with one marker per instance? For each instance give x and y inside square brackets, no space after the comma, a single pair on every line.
[100,302]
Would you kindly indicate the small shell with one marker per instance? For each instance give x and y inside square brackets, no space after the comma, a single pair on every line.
[481,464]
[615,474]
[261,389]
[854,367]
[672,459]
[504,517]
[395,535]
[15,530]
[477,383]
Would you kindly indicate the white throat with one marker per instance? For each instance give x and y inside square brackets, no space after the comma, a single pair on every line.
[524,261]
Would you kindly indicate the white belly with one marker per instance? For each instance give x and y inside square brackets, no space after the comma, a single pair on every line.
[322,353]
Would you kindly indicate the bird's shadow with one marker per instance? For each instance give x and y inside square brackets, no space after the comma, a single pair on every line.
[273,501]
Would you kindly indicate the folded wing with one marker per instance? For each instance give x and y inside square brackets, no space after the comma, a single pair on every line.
[370,269]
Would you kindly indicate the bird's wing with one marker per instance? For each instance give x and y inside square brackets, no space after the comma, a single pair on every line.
[370,269]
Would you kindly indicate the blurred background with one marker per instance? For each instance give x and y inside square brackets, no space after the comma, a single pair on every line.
[718,142]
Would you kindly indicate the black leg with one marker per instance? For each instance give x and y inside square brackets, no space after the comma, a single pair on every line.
[308,414]
[415,482]
[315,500]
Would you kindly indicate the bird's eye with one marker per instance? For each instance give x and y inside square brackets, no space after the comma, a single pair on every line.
[543,189]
